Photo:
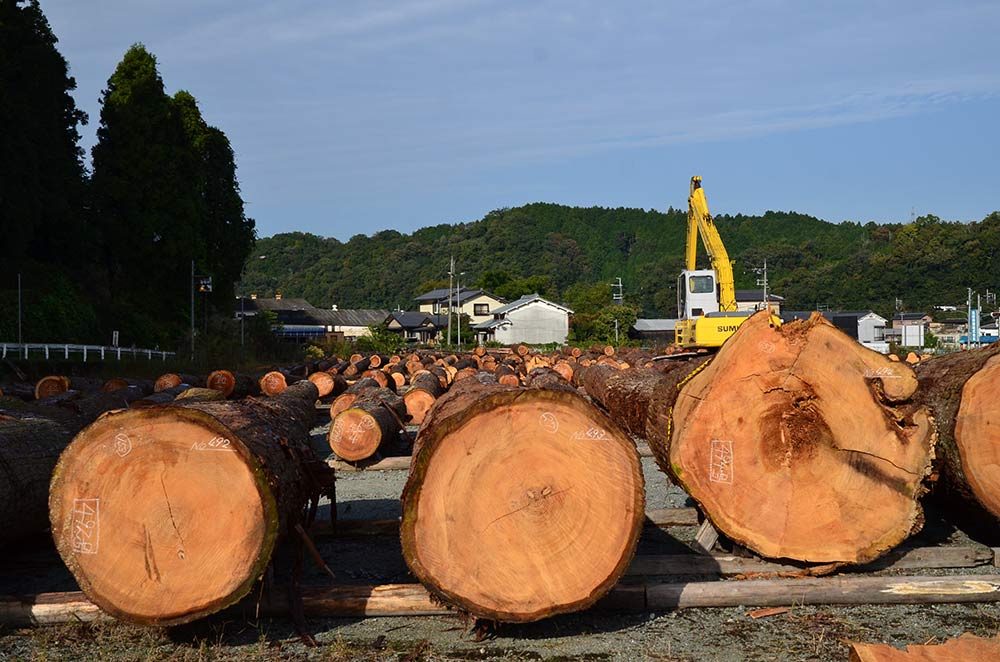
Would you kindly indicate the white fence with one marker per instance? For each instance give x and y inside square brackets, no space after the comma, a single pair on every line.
[62,350]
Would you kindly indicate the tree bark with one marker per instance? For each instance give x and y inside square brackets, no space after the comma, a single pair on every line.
[521,503]
[167,514]
[960,390]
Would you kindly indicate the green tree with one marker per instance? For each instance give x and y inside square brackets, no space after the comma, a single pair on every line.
[41,164]
[146,200]
[229,234]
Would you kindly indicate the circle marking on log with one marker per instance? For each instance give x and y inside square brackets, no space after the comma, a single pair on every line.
[123,445]
[549,422]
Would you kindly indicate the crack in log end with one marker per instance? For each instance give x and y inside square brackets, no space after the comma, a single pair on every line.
[866,465]
[181,553]
[152,571]
[792,432]
[534,499]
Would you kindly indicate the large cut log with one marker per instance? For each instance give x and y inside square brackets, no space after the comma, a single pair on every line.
[521,503]
[371,423]
[29,449]
[273,383]
[171,513]
[772,434]
[424,390]
[347,398]
[328,384]
[231,384]
[961,390]
[51,385]
[171,379]
[798,442]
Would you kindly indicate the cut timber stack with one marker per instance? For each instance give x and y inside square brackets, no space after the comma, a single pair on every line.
[171,513]
[521,503]
[372,422]
[961,390]
[797,442]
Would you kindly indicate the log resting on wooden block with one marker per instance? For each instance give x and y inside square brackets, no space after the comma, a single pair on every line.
[798,442]
[167,514]
[521,503]
[962,390]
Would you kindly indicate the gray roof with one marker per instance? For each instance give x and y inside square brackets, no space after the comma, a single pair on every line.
[441,296]
[909,316]
[651,325]
[756,295]
[490,324]
[524,301]
[250,304]
[409,319]
[361,317]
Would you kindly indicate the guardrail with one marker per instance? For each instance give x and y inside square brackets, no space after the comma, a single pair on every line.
[22,350]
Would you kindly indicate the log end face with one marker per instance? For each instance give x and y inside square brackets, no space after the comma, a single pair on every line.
[162,515]
[354,435]
[525,505]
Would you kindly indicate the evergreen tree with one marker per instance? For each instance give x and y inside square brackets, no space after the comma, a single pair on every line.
[146,199]
[229,234]
[41,167]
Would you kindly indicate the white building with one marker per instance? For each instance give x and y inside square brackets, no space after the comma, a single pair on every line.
[530,320]
[475,304]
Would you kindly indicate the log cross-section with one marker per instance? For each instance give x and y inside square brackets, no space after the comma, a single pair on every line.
[521,503]
[167,514]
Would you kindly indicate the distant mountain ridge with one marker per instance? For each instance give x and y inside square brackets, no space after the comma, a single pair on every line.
[561,249]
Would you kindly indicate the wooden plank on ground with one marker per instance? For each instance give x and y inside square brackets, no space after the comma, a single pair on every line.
[722,564]
[414,600]
[850,590]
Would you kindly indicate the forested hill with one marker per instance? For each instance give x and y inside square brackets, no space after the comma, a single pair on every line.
[571,254]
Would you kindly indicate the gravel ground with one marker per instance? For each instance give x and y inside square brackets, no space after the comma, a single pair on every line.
[803,633]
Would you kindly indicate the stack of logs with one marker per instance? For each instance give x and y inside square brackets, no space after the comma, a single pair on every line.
[525,495]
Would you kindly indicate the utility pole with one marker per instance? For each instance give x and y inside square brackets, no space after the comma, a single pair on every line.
[458,313]
[191,285]
[451,284]
[762,281]
[19,340]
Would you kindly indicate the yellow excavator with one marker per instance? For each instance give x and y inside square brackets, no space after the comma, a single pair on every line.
[706,298]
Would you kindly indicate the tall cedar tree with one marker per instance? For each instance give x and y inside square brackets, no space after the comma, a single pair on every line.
[146,200]
[229,234]
[41,166]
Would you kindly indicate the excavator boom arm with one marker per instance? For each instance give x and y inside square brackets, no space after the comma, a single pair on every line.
[700,223]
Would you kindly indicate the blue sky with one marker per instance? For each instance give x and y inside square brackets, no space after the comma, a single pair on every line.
[351,117]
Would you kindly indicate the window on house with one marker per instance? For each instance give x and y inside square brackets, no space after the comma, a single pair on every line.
[481,309]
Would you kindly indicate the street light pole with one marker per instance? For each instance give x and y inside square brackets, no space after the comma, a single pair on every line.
[451,282]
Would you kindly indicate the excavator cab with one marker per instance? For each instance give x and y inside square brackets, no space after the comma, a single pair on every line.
[697,293]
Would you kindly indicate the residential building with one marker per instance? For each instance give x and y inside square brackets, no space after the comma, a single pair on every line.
[529,320]
[476,304]
[753,300]
[416,326]
[865,326]
[300,319]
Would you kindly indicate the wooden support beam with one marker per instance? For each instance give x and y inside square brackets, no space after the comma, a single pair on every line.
[909,590]
[414,600]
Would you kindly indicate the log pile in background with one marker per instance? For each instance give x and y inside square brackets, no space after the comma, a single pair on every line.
[796,442]
[521,503]
[372,423]
[168,514]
